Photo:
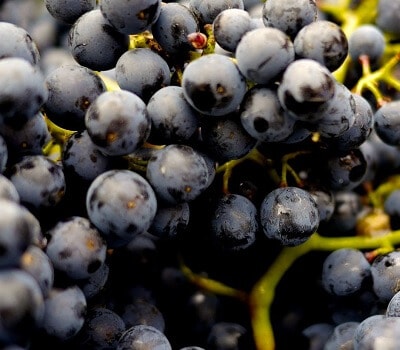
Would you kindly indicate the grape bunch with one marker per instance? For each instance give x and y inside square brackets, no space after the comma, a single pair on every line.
[200,174]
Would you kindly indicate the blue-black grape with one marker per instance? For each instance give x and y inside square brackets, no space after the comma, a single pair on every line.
[131,16]
[289,16]
[94,43]
[393,307]
[19,79]
[143,72]
[207,10]
[173,119]
[342,336]
[138,336]
[17,42]
[177,173]
[387,17]
[172,27]
[213,84]
[229,27]
[323,41]
[121,204]
[76,247]
[72,88]
[369,40]
[345,271]
[289,215]
[68,11]
[64,314]
[234,223]
[386,123]
[117,122]
[8,190]
[263,54]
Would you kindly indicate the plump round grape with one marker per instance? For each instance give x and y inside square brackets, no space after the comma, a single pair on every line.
[229,27]
[393,307]
[19,79]
[65,311]
[94,43]
[178,173]
[369,40]
[76,247]
[344,271]
[68,11]
[131,16]
[289,16]
[392,208]
[264,53]
[138,336]
[323,41]
[8,190]
[72,88]
[40,181]
[173,119]
[289,215]
[387,124]
[142,312]
[21,305]
[207,10]
[234,223]
[17,42]
[143,72]
[387,17]
[213,85]
[172,27]
[342,336]
[121,204]
[377,332]
[306,86]
[263,117]
[38,264]
[385,271]
[117,122]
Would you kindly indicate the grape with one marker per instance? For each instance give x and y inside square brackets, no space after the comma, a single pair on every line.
[68,11]
[121,204]
[173,119]
[344,271]
[225,138]
[134,338]
[22,306]
[289,215]
[40,181]
[72,88]
[305,88]
[117,122]
[8,190]
[18,42]
[65,310]
[377,332]
[4,154]
[325,200]
[263,117]
[318,334]
[387,18]
[96,283]
[323,41]
[391,207]
[386,123]
[143,72]
[102,328]
[264,53]
[385,271]
[76,247]
[178,173]
[229,27]
[367,39]
[289,16]
[234,223]
[172,27]
[55,57]
[131,16]
[213,85]
[38,264]
[393,307]
[225,336]
[19,79]
[207,10]
[342,336]
[94,43]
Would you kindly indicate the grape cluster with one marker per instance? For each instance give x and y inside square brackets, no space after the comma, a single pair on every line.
[199,174]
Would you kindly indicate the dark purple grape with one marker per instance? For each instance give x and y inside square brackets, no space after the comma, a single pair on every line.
[68,11]
[289,215]
[138,336]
